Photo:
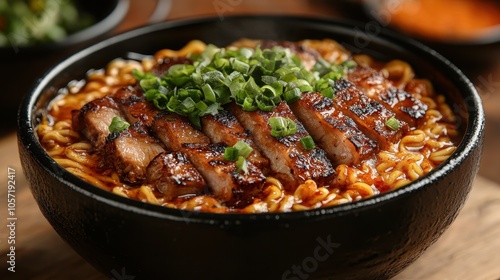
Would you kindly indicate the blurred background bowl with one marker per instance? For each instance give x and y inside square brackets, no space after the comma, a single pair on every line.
[370,239]
[465,31]
[20,66]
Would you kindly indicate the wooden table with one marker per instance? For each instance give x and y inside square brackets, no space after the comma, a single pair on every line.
[469,249]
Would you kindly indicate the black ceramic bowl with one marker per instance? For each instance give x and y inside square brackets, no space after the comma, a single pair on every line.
[372,239]
[21,65]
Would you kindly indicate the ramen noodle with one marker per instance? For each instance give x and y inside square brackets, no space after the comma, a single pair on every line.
[424,145]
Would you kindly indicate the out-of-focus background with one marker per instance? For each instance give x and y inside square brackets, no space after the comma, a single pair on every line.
[465,31]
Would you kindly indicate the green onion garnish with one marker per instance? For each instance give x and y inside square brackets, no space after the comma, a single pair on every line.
[392,123]
[241,165]
[281,126]
[252,78]
[118,124]
[307,142]
[243,148]
[231,154]
[238,153]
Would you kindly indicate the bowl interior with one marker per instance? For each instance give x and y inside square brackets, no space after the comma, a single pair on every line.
[448,79]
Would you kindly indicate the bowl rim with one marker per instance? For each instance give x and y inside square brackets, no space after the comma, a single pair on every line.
[99,28]
[27,135]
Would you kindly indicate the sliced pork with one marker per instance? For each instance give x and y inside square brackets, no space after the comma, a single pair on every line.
[336,133]
[175,131]
[174,175]
[288,159]
[94,118]
[130,151]
[224,128]
[370,115]
[135,107]
[376,86]
[222,176]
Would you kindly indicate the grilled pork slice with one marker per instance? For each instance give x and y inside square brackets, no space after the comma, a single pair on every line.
[290,162]
[174,175]
[221,175]
[376,86]
[134,106]
[175,131]
[94,118]
[370,115]
[130,151]
[334,132]
[224,128]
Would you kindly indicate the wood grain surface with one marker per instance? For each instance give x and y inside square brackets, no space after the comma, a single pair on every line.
[469,249]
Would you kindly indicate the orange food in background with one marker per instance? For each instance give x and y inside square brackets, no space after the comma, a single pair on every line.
[445,19]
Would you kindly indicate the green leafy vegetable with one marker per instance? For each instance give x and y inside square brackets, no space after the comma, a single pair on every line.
[308,142]
[24,23]
[282,126]
[118,124]
[238,153]
[392,123]
[255,79]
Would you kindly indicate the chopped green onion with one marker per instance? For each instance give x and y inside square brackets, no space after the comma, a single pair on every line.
[281,126]
[349,64]
[307,142]
[118,124]
[253,78]
[328,92]
[238,153]
[244,149]
[242,165]
[209,93]
[239,65]
[393,123]
[231,153]
[292,95]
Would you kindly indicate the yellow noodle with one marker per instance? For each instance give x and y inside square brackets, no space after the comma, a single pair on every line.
[363,189]
[440,156]
[418,152]
[398,71]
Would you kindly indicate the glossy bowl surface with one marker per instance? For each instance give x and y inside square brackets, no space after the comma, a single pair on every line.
[20,66]
[370,239]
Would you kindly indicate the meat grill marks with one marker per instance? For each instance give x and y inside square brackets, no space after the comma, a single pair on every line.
[174,175]
[94,118]
[130,151]
[165,150]
[175,131]
[221,175]
[376,86]
[134,106]
[334,132]
[224,128]
[292,164]
[370,115]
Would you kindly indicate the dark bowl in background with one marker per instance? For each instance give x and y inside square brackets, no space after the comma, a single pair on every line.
[371,239]
[20,66]
[474,54]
